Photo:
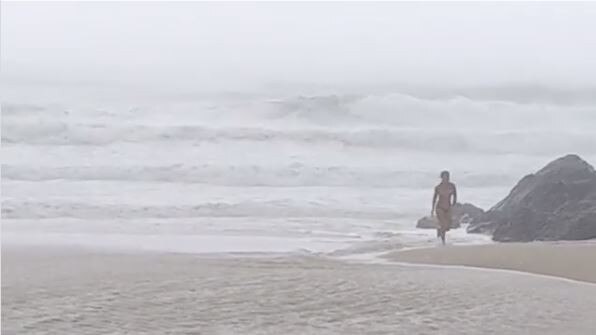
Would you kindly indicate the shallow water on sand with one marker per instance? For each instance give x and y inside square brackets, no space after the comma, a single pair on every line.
[52,292]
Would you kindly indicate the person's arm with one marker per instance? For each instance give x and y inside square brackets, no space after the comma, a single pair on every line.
[454,195]
[435,197]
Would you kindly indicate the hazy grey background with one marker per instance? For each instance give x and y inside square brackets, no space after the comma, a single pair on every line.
[234,46]
[279,126]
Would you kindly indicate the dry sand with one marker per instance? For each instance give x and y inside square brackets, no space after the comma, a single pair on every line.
[572,260]
[70,291]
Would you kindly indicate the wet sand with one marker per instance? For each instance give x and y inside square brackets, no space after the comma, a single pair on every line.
[72,291]
[572,260]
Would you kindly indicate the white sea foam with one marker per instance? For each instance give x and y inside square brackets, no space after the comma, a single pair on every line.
[262,166]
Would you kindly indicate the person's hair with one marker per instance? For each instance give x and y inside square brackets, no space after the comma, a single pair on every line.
[444,174]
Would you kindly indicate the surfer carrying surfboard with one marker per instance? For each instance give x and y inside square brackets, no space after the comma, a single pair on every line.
[444,198]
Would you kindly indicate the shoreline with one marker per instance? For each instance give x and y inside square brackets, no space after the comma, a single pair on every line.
[573,261]
[70,290]
[570,260]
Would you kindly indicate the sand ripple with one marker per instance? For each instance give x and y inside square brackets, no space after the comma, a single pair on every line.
[90,293]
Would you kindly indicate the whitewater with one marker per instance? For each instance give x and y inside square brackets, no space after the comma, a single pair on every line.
[340,174]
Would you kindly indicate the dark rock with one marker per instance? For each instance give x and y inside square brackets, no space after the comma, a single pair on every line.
[556,203]
[461,214]
[428,222]
[466,213]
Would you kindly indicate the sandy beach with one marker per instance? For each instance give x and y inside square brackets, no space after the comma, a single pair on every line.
[572,260]
[56,290]
[207,168]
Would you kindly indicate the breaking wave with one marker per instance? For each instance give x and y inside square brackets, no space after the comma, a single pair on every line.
[390,121]
[263,209]
[468,141]
[294,175]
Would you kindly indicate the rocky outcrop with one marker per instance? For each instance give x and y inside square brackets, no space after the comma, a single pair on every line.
[466,213]
[556,203]
[429,222]
[461,214]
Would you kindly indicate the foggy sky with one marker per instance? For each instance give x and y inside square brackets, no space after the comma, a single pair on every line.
[182,45]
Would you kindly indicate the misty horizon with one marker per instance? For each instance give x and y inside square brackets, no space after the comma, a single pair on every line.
[193,47]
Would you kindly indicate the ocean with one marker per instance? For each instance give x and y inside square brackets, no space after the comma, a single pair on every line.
[338,174]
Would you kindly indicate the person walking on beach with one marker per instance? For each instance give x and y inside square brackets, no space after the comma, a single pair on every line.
[444,198]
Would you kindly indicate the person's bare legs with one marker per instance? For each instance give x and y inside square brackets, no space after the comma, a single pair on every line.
[441,234]
[444,218]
